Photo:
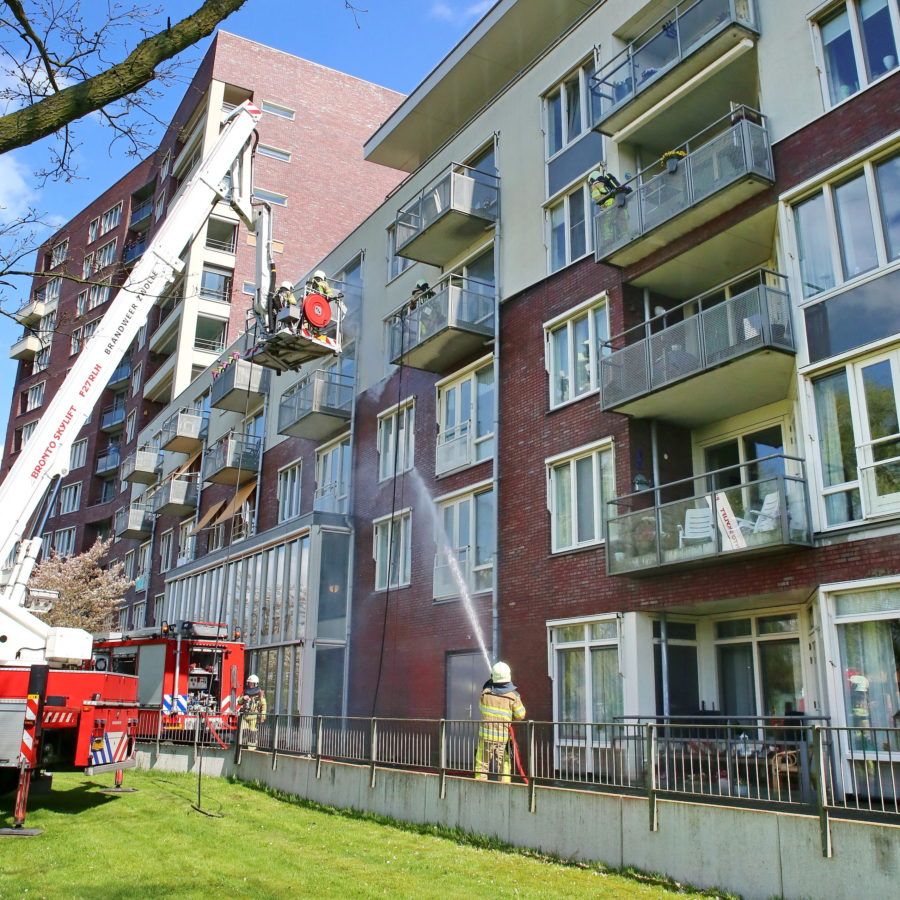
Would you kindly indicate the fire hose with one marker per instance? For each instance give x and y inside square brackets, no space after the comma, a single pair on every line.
[516,755]
[212,731]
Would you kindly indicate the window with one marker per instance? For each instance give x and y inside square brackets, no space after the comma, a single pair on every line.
[27,431]
[34,397]
[87,267]
[160,207]
[215,284]
[93,230]
[59,254]
[158,602]
[139,614]
[216,538]
[466,419]
[130,425]
[249,287]
[105,255]
[143,559]
[573,351]
[466,544]
[41,361]
[568,228]
[166,539]
[130,560]
[333,477]
[570,109]
[269,197]
[76,341]
[109,220]
[166,166]
[579,488]
[78,454]
[859,45]
[88,330]
[273,152]
[587,684]
[830,255]
[141,337]
[186,539]
[393,549]
[52,290]
[136,374]
[123,618]
[289,484]
[64,541]
[69,498]
[221,235]
[759,665]
[868,631]
[108,490]
[396,264]
[389,439]
[276,109]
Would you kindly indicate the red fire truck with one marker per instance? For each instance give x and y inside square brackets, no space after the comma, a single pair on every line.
[189,677]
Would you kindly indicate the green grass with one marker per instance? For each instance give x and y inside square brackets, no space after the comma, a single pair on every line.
[152,844]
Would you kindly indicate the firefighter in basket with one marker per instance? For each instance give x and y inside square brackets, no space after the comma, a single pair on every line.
[609,195]
[500,706]
[319,284]
[252,709]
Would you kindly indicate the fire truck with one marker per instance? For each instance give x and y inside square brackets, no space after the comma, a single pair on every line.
[189,678]
[53,710]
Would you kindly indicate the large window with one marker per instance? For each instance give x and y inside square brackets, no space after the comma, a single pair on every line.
[760,670]
[396,432]
[466,544]
[868,630]
[34,397]
[215,284]
[395,264]
[568,228]
[570,109]
[289,484]
[393,550]
[466,414]
[59,254]
[849,227]
[69,498]
[859,45]
[166,541]
[105,255]
[573,350]
[333,477]
[587,682]
[580,485]
[110,219]
[78,454]
[64,541]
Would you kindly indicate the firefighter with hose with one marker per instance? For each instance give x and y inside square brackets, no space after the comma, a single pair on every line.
[500,706]
[252,708]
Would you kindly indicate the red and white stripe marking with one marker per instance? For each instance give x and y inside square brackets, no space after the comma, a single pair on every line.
[27,747]
[59,718]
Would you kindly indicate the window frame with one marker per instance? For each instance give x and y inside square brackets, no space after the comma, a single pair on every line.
[78,451]
[277,109]
[166,544]
[100,253]
[297,479]
[585,101]
[276,153]
[106,219]
[453,382]
[396,264]
[387,422]
[36,390]
[267,196]
[471,566]
[59,253]
[69,533]
[384,526]
[73,494]
[563,198]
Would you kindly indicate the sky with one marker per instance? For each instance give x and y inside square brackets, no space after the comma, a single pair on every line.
[395,43]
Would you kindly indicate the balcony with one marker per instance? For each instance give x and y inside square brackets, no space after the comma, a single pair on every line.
[184,431]
[698,36]
[134,522]
[176,496]
[140,216]
[440,332]
[141,582]
[239,387]
[26,347]
[455,448]
[108,462]
[32,311]
[134,251]
[723,165]
[112,418]
[233,460]
[758,506]
[120,375]
[332,498]
[142,467]
[732,357]
[317,407]
[447,215]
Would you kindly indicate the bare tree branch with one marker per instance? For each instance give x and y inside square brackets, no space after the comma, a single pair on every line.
[19,12]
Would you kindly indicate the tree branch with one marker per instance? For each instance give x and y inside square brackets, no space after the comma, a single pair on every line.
[18,11]
[25,126]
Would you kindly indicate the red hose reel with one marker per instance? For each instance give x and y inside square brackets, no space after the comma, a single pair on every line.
[316,310]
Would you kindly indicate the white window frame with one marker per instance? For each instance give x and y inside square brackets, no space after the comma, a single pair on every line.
[267,196]
[186,542]
[387,526]
[69,498]
[81,302]
[130,425]
[64,541]
[93,230]
[396,265]
[585,100]
[159,207]
[563,198]
[387,422]
[862,75]
[130,564]
[277,109]
[290,482]
[26,431]
[465,560]
[136,375]
[59,253]
[139,614]
[101,254]
[567,320]
[166,166]
[52,290]
[78,454]
[216,538]
[75,341]
[271,152]
[453,383]
[143,558]
[34,396]
[324,452]
[110,219]
[165,550]
[570,458]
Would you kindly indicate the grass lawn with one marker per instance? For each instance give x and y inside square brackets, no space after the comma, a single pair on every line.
[152,844]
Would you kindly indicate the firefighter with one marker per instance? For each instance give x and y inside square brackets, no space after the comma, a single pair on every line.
[283,298]
[318,284]
[500,706]
[252,708]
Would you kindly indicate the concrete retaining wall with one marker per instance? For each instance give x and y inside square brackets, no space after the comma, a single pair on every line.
[756,854]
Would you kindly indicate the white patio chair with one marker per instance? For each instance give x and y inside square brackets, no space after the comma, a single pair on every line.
[697,528]
[766,518]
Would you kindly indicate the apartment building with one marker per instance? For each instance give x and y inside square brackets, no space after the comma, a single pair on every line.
[642,448]
[303,166]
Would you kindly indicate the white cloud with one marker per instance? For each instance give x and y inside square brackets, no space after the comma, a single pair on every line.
[16,195]
[459,13]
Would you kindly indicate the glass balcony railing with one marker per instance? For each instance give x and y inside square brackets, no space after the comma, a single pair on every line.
[184,431]
[733,151]
[176,496]
[448,214]
[142,466]
[134,250]
[439,331]
[108,462]
[455,448]
[238,384]
[232,460]
[332,498]
[318,406]
[113,417]
[759,505]
[698,29]
[120,375]
[692,339]
[134,521]
[140,215]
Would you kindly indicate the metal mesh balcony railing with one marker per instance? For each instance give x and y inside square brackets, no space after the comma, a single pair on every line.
[760,504]
[661,47]
[175,495]
[751,320]
[234,451]
[332,498]
[142,466]
[184,429]
[728,151]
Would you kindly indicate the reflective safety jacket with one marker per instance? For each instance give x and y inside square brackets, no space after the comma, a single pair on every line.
[498,710]
[253,704]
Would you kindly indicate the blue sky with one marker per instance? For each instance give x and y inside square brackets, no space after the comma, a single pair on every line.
[396,44]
